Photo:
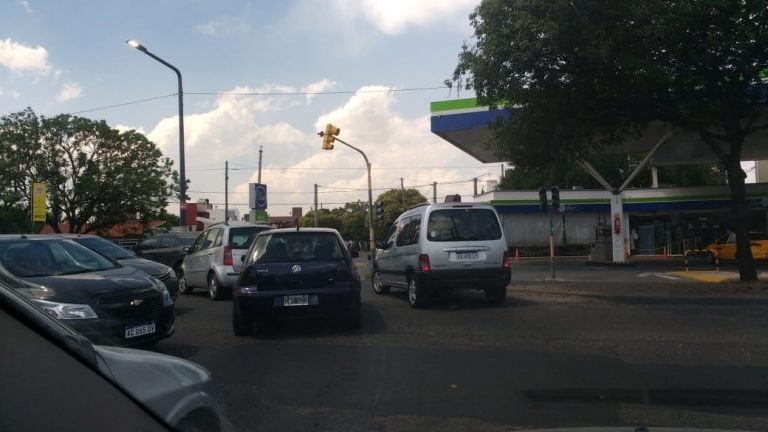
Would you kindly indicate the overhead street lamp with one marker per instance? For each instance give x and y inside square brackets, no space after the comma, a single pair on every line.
[182,178]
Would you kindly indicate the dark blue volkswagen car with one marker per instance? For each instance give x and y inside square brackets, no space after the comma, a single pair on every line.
[296,273]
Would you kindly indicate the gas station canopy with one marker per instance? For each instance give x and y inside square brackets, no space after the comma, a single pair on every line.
[465,124]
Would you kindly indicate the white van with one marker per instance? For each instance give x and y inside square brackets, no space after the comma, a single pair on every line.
[445,246]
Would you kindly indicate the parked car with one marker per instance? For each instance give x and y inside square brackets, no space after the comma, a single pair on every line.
[291,273]
[168,249]
[127,257]
[445,246]
[214,259]
[725,247]
[52,362]
[107,302]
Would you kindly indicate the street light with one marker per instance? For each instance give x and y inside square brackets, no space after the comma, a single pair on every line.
[182,177]
[329,136]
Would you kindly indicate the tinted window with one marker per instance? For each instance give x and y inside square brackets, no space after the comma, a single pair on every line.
[105,247]
[26,258]
[167,241]
[296,246]
[409,234]
[149,244]
[241,237]
[184,241]
[461,224]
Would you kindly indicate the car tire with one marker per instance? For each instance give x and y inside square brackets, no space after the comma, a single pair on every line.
[417,294]
[240,325]
[214,288]
[496,295]
[378,285]
[183,287]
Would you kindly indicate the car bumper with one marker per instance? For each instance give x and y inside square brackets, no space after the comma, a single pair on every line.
[478,279]
[322,303]
[106,331]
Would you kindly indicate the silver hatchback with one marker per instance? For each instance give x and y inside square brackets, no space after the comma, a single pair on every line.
[214,259]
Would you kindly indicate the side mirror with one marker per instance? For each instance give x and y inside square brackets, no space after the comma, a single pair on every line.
[185,249]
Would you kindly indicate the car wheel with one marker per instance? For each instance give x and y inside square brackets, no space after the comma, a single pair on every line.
[378,285]
[496,295]
[214,289]
[183,287]
[417,294]
[240,325]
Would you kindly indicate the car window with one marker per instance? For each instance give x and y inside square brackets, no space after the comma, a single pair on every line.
[241,237]
[167,241]
[297,246]
[410,231]
[150,243]
[461,224]
[197,245]
[105,247]
[209,238]
[25,258]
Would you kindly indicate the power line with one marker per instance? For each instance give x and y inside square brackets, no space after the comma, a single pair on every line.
[124,104]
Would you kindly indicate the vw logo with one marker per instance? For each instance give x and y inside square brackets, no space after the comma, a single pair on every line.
[296,268]
[136,302]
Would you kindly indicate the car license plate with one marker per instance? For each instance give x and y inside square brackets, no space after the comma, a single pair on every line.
[296,300]
[139,330]
[467,256]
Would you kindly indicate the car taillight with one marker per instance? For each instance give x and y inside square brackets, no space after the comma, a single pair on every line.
[424,262]
[227,255]
[505,260]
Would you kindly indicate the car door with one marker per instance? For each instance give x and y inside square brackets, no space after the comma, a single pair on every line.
[194,263]
[148,248]
[407,243]
[385,257]
[727,250]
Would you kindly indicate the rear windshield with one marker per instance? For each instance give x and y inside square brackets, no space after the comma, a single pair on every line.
[241,237]
[461,224]
[296,246]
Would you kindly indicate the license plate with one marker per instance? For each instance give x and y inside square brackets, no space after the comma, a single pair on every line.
[467,256]
[296,300]
[140,330]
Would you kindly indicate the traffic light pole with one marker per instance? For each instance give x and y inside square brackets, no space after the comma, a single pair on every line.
[371,237]
[551,243]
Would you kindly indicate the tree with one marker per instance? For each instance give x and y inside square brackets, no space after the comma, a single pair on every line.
[396,201]
[96,176]
[585,74]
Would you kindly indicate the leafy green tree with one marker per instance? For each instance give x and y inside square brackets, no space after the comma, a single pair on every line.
[396,201]
[96,176]
[584,74]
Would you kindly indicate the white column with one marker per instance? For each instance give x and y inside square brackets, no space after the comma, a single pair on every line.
[618,221]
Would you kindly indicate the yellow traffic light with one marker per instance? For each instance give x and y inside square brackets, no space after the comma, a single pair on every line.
[328,136]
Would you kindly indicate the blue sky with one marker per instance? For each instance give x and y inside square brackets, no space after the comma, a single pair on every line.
[72,57]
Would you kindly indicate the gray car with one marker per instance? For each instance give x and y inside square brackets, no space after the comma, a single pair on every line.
[213,261]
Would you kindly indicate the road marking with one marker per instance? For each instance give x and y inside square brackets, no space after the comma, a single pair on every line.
[661,275]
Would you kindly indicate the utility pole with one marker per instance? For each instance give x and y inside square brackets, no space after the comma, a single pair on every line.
[475,181]
[434,192]
[502,172]
[226,192]
[402,187]
[315,205]
[260,149]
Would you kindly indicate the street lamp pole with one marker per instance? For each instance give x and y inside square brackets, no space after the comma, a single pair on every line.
[371,237]
[182,176]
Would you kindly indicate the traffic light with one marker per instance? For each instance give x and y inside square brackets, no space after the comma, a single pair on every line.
[555,198]
[328,136]
[379,210]
[543,199]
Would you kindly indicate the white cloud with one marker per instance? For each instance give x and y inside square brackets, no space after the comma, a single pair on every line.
[69,91]
[22,59]
[316,87]
[394,16]
[294,162]
[25,5]
[227,26]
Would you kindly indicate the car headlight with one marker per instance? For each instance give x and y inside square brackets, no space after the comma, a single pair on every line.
[66,310]
[249,289]
[167,300]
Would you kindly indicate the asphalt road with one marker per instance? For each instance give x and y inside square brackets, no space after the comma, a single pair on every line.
[543,360]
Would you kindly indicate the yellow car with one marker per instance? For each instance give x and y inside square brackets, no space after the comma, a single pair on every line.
[725,247]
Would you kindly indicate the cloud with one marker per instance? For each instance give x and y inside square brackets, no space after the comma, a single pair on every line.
[25,5]
[293,162]
[392,17]
[227,26]
[317,87]
[69,91]
[22,59]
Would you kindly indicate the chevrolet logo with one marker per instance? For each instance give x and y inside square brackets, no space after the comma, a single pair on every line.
[136,302]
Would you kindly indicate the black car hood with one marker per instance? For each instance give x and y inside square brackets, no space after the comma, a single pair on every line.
[83,286]
[151,268]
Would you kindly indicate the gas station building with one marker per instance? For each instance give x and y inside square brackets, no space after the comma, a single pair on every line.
[614,223]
